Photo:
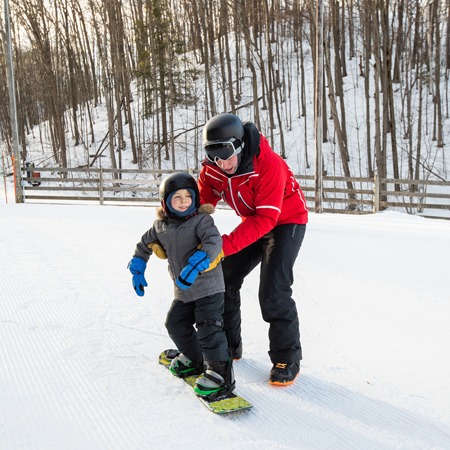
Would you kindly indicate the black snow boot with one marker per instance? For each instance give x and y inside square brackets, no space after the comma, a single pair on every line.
[283,374]
[237,352]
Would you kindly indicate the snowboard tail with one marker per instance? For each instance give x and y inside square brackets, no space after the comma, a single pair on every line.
[221,405]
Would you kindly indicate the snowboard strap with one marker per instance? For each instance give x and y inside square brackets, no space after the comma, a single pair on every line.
[229,386]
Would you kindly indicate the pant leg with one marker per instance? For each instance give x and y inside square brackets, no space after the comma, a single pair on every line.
[180,326]
[235,268]
[212,339]
[281,247]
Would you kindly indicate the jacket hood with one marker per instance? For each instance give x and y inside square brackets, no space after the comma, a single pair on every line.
[207,208]
[251,149]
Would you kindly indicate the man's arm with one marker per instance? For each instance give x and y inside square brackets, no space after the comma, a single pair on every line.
[269,194]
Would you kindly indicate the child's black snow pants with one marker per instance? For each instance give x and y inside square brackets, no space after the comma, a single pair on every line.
[208,340]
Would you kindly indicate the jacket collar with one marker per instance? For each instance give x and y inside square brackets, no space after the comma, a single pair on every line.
[251,149]
[206,208]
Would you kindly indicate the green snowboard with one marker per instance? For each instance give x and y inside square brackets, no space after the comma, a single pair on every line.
[221,405]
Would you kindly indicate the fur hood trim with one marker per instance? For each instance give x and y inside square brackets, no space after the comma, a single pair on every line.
[207,208]
[160,213]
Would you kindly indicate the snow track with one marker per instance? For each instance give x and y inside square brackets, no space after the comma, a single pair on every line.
[42,341]
[79,350]
[314,409]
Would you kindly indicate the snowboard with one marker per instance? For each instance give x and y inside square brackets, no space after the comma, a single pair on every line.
[221,405]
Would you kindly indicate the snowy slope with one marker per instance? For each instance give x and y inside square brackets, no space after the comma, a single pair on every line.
[78,349]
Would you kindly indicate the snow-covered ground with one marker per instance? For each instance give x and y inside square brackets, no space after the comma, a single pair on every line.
[79,350]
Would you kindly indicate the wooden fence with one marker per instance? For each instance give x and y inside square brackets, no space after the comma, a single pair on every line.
[340,194]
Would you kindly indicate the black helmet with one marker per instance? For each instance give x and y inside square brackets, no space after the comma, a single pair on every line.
[175,181]
[222,128]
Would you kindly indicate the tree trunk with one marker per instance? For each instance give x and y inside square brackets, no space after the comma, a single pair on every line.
[447,39]
[416,35]
[171,96]
[269,70]
[342,144]
[208,77]
[303,83]
[437,76]
[126,79]
[419,122]
[237,53]
[250,47]
[153,52]
[224,24]
[108,102]
[91,59]
[338,73]
[222,70]
[342,46]
[399,44]
[379,150]
[384,78]
[73,88]
[367,52]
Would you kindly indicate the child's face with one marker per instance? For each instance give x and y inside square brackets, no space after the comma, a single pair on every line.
[181,200]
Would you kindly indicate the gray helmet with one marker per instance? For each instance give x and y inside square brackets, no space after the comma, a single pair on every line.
[222,128]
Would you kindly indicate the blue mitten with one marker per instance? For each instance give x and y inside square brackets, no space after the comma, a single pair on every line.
[137,267]
[198,262]
[187,277]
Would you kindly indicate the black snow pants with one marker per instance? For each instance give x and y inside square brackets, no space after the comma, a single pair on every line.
[209,340]
[277,252]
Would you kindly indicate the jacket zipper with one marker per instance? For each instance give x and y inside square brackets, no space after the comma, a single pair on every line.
[230,187]
[240,197]
[232,197]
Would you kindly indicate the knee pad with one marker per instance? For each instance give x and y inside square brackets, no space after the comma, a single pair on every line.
[210,323]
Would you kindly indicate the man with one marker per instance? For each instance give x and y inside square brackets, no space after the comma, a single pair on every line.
[242,170]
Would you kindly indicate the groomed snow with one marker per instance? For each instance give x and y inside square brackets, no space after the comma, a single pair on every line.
[79,350]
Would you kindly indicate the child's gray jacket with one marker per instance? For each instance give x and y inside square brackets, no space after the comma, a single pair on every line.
[180,239]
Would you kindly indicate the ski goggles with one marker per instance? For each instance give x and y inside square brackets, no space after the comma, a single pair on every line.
[224,150]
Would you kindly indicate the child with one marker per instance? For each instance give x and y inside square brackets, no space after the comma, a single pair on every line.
[182,228]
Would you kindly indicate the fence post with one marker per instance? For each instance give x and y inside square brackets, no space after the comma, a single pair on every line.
[100,186]
[376,194]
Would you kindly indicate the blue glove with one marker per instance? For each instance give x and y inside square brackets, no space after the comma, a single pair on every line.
[198,262]
[137,268]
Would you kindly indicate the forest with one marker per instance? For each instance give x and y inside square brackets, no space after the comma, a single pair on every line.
[162,68]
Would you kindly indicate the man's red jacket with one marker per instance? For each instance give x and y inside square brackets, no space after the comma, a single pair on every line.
[265,196]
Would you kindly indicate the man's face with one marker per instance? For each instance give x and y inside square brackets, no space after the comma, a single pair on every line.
[228,166]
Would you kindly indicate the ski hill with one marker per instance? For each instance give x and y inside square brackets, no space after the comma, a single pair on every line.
[79,349]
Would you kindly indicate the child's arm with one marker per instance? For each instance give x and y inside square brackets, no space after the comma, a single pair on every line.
[143,250]
[138,263]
